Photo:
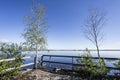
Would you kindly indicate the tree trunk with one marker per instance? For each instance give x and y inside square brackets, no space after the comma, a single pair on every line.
[36,58]
[98,54]
[96,43]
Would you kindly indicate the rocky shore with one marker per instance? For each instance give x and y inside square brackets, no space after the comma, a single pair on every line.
[41,75]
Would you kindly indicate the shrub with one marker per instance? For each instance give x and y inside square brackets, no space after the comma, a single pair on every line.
[10,51]
[118,66]
[91,69]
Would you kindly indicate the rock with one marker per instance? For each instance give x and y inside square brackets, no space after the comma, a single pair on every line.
[42,75]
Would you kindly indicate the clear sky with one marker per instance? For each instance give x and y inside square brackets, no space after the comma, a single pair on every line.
[65,18]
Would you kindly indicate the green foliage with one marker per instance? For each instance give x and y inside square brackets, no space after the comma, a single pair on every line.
[118,66]
[34,33]
[10,51]
[103,67]
[91,68]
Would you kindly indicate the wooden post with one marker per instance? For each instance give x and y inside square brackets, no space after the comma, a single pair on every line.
[41,60]
[72,68]
[49,60]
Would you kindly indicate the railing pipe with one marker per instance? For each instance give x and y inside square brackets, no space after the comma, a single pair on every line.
[73,64]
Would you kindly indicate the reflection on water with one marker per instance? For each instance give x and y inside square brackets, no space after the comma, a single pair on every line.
[111,54]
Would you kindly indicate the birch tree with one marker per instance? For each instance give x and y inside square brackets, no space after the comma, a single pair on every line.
[93,28]
[36,29]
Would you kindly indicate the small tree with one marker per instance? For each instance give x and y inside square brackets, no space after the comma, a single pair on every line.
[34,34]
[10,51]
[93,27]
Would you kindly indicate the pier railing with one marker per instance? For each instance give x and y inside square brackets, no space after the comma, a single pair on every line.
[72,63]
[66,63]
[12,59]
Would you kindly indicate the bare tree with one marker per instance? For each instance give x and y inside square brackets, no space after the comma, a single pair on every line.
[93,27]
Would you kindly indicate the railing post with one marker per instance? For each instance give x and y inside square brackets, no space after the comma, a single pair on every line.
[72,68]
[41,64]
[49,62]
[72,63]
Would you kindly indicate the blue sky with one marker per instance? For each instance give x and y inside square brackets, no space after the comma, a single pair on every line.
[65,18]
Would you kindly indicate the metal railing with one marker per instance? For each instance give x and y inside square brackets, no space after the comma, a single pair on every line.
[61,56]
[72,62]
[24,65]
[75,50]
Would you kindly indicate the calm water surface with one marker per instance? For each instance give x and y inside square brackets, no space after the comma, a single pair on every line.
[111,54]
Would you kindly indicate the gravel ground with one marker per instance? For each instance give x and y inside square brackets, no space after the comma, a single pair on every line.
[37,74]
[41,75]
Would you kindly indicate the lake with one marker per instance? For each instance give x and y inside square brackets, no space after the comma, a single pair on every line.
[110,54]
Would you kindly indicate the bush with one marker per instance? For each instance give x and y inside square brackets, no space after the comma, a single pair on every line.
[91,69]
[118,66]
[10,51]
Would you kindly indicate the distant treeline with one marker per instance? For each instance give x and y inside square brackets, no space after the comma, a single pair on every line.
[21,46]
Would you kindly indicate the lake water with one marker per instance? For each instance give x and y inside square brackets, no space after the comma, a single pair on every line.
[110,54]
